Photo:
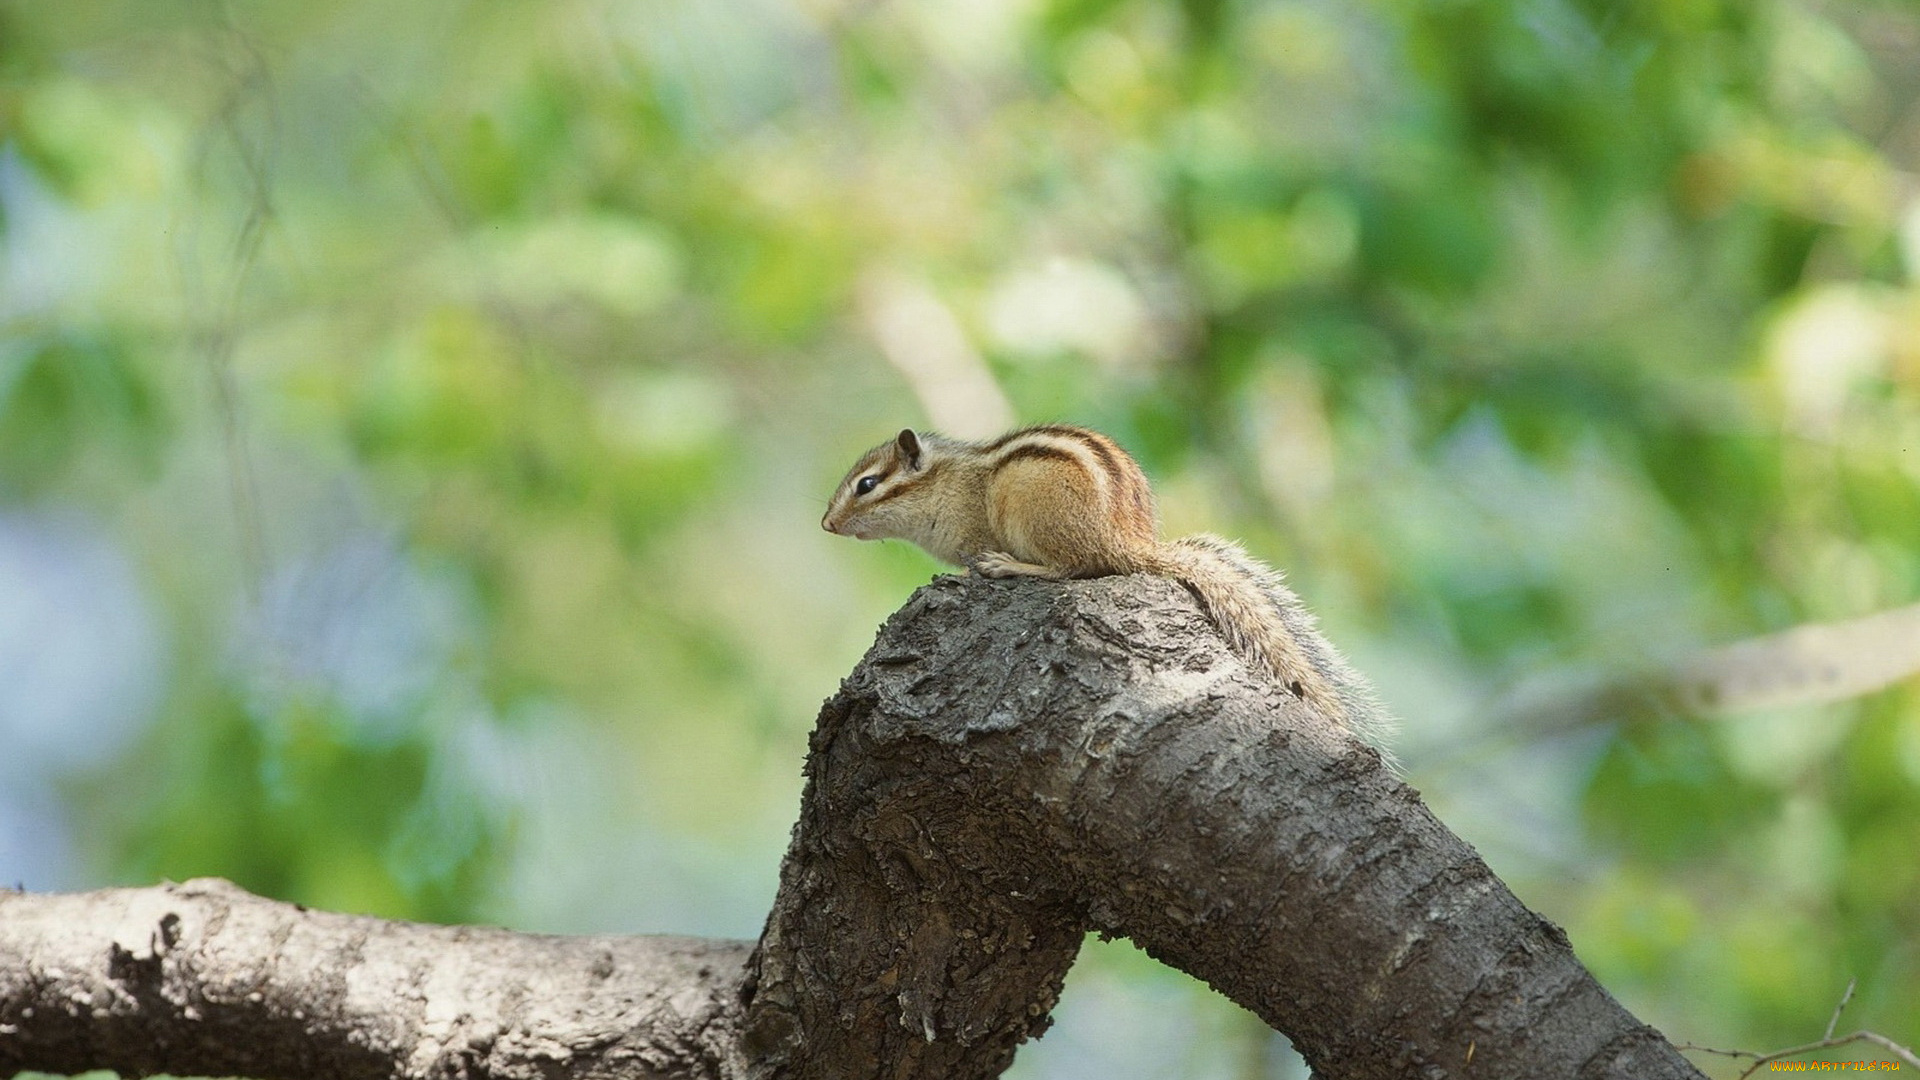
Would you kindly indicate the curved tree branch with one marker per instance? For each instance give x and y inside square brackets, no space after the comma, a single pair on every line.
[1013,765]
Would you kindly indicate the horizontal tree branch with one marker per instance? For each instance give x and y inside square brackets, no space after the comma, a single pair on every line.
[205,978]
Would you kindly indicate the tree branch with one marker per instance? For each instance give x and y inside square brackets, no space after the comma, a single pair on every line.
[1827,1041]
[206,978]
[1810,664]
[1015,763]
[1012,765]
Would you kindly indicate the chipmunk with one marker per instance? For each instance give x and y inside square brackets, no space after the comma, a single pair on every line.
[1060,502]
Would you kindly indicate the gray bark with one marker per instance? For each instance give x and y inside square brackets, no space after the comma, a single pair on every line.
[206,978]
[1014,764]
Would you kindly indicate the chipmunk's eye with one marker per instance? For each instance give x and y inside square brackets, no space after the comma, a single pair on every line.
[865,485]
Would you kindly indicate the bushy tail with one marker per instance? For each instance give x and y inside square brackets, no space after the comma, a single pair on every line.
[1267,625]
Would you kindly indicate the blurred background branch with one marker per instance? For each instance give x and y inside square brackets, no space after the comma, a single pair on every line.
[1817,664]
[1811,665]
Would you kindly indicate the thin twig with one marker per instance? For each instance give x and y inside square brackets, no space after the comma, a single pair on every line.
[1834,1020]
[1826,1042]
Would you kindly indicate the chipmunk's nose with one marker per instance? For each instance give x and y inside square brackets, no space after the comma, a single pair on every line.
[827,524]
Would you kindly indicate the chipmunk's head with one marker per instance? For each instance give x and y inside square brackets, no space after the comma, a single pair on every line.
[880,496]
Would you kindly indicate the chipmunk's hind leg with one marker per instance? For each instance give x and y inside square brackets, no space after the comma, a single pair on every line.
[999,564]
[1048,521]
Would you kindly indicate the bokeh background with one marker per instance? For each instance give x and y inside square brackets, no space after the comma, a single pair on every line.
[415,419]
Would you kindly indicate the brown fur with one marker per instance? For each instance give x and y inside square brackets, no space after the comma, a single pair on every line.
[1058,501]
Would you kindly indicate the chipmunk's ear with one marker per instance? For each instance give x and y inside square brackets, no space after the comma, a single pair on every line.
[910,448]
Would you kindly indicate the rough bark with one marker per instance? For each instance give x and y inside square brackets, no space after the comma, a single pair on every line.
[206,978]
[1012,765]
[1086,756]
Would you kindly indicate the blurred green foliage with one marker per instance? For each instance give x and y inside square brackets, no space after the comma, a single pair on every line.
[1533,337]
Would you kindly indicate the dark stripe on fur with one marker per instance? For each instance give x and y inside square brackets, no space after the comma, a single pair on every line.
[907,484]
[1036,450]
[1108,454]
[1125,484]
[1067,430]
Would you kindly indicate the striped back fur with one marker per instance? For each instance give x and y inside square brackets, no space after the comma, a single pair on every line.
[1265,622]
